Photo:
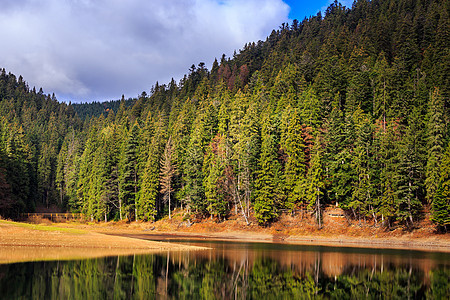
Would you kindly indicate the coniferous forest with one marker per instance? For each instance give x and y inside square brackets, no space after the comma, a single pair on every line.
[348,108]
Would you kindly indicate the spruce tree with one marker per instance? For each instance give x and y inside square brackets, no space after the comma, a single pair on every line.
[295,168]
[388,158]
[435,142]
[245,154]
[267,184]
[214,181]
[410,172]
[167,174]
[440,209]
[147,197]
[315,182]
[362,192]
[128,182]
[339,140]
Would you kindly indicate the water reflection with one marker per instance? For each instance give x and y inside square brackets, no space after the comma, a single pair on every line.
[236,271]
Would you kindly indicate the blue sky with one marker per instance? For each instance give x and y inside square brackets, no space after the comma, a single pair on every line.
[303,8]
[97,50]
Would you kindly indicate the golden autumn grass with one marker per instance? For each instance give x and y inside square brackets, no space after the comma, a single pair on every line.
[31,242]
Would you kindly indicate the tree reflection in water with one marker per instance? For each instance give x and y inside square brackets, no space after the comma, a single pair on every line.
[234,274]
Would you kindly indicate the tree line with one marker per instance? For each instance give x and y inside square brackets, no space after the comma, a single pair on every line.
[347,109]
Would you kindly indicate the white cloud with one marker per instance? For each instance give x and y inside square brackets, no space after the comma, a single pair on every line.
[100,49]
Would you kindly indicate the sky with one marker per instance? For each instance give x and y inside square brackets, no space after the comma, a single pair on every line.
[99,50]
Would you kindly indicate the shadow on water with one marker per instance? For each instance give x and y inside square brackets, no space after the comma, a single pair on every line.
[231,270]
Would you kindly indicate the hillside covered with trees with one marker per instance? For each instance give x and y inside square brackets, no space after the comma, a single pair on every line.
[349,108]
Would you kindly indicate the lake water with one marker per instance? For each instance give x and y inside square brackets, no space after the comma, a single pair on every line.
[237,271]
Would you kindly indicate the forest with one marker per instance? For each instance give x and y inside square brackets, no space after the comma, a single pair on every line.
[348,109]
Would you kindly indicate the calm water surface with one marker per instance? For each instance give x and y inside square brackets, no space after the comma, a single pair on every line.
[237,271]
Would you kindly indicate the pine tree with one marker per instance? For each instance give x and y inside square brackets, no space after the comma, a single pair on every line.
[388,159]
[362,192]
[245,155]
[339,140]
[147,198]
[315,182]
[295,168]
[214,178]
[435,141]
[440,209]
[410,171]
[84,185]
[203,129]
[267,185]
[128,184]
[6,201]
[167,174]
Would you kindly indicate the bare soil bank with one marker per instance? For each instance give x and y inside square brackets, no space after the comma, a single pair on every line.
[26,242]
[337,231]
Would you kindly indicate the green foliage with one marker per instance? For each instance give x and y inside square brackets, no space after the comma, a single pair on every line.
[435,142]
[294,146]
[370,82]
[441,203]
[215,178]
[128,175]
[315,182]
[268,191]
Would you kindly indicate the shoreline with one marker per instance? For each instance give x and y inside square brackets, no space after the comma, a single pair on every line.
[22,242]
[424,245]
[336,232]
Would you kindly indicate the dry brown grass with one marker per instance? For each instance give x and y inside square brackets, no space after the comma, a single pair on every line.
[25,242]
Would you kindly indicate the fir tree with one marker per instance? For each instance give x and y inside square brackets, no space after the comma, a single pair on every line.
[315,183]
[267,185]
[147,198]
[167,174]
[410,171]
[435,141]
[214,180]
[295,168]
[440,209]
[128,187]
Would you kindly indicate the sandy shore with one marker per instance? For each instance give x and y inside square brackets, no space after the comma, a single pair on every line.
[28,242]
[419,244]
[223,232]
[25,242]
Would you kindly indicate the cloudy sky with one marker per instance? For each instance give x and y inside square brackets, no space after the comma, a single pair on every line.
[96,50]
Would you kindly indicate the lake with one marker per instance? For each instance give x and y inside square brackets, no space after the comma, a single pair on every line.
[232,270]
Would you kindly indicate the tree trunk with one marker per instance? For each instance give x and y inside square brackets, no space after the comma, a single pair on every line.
[318,209]
[135,198]
[170,216]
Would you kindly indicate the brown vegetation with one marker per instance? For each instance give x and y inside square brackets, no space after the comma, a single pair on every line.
[296,229]
[25,242]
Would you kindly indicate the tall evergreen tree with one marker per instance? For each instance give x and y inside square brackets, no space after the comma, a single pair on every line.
[214,181]
[410,171]
[267,185]
[128,182]
[167,174]
[435,142]
[440,209]
[316,182]
[295,168]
